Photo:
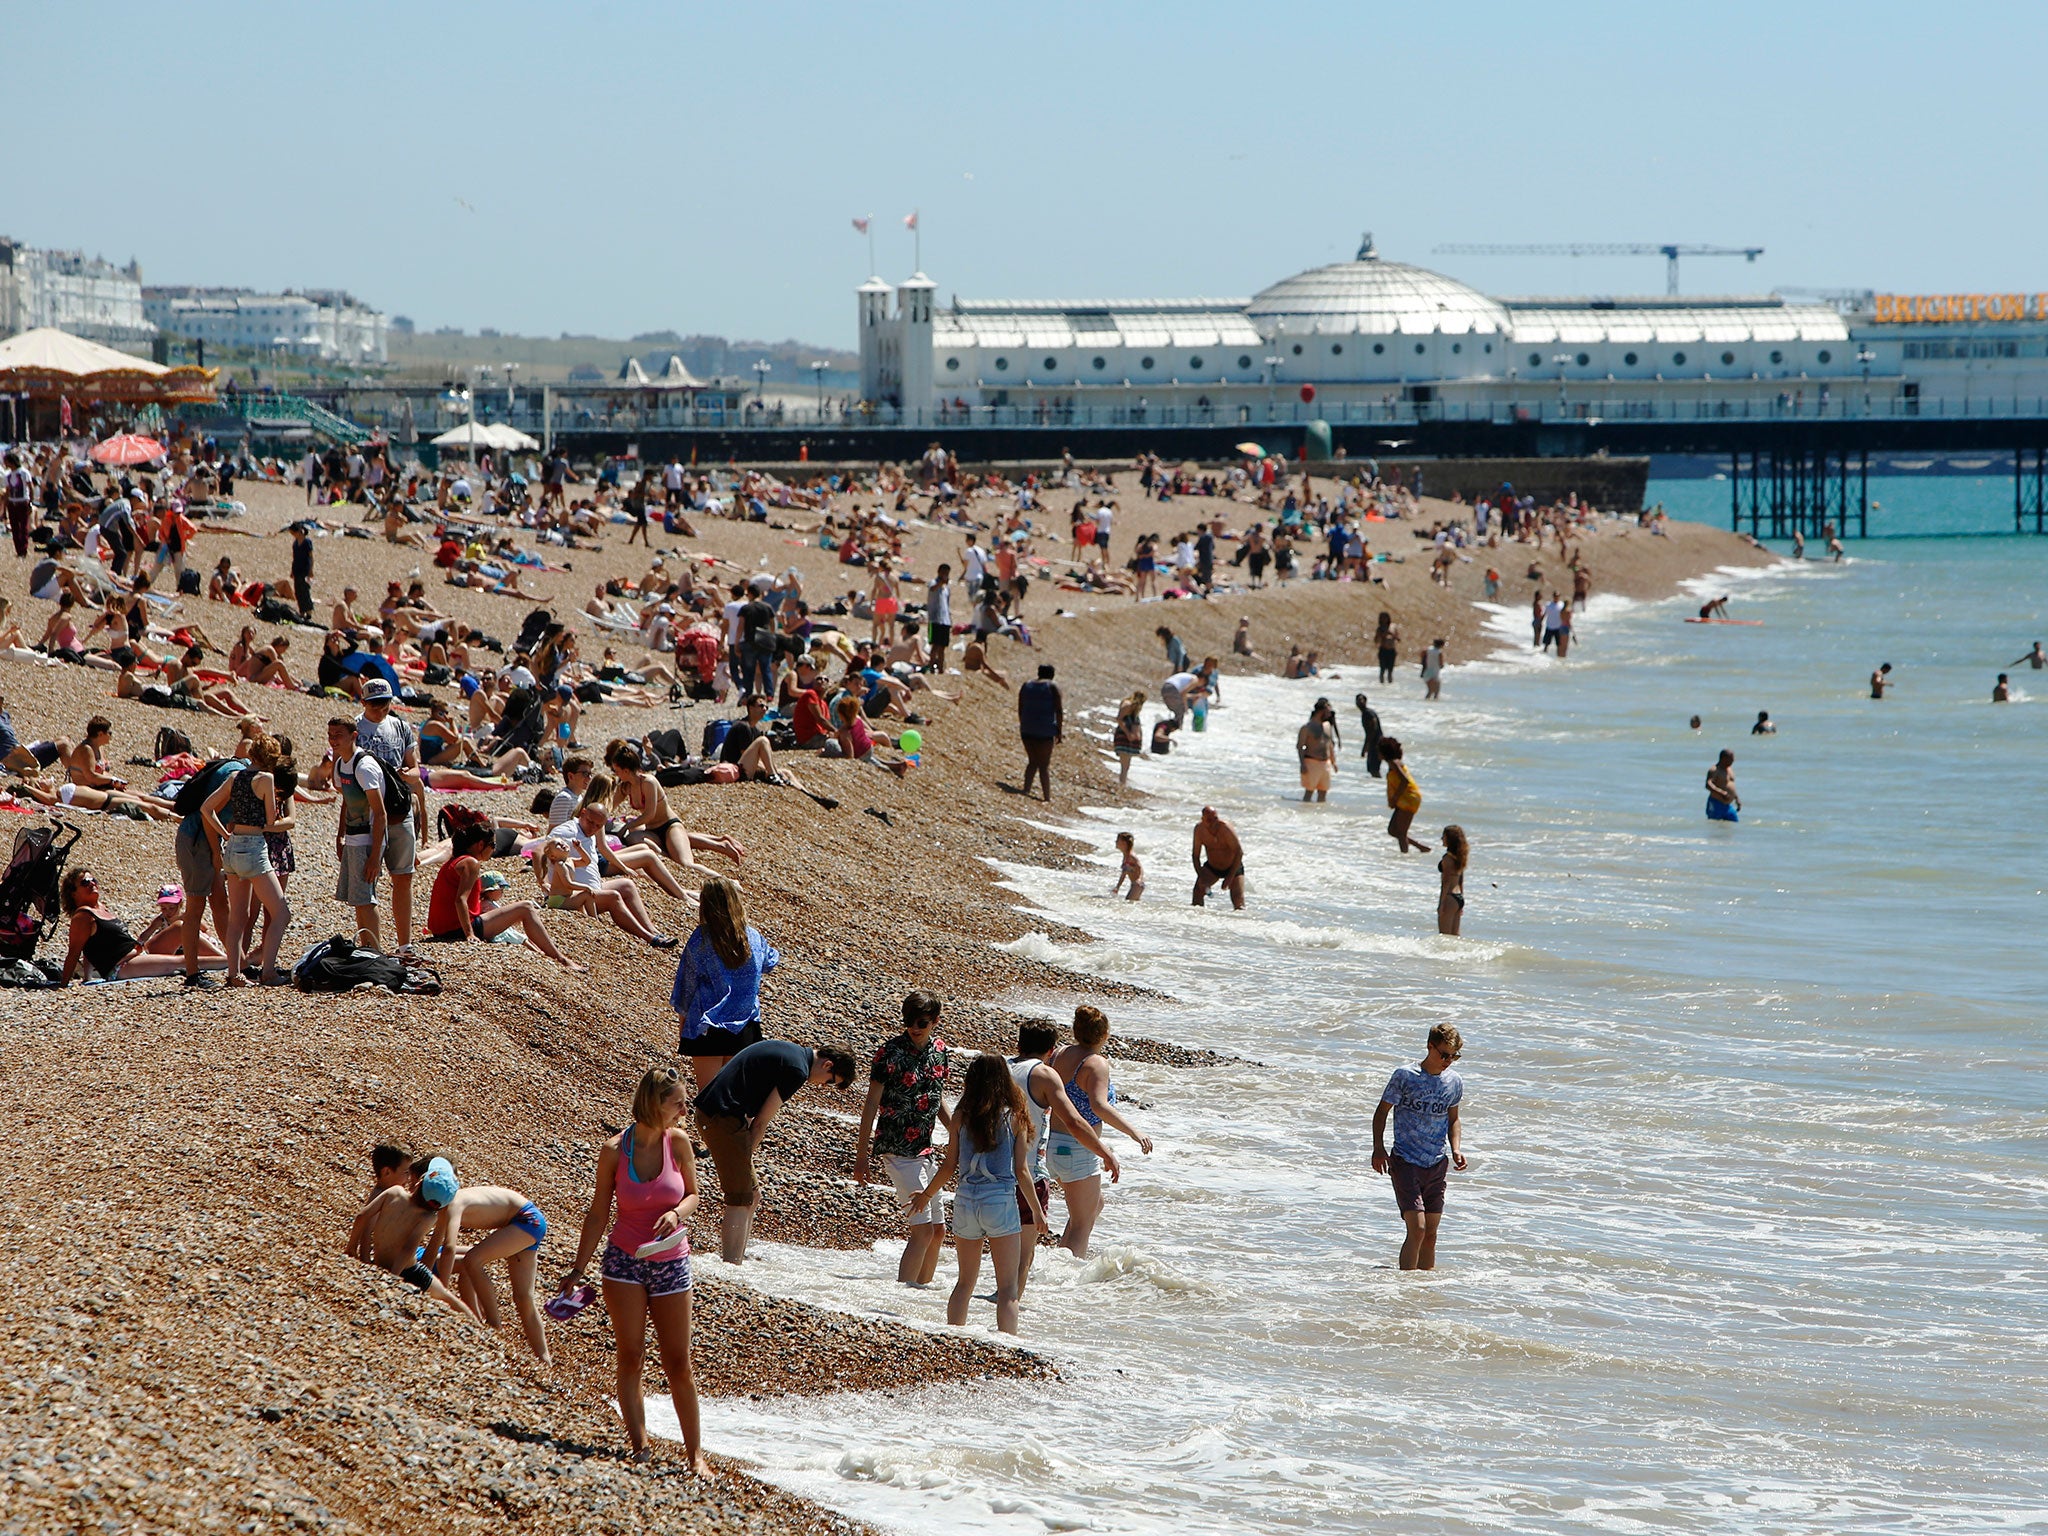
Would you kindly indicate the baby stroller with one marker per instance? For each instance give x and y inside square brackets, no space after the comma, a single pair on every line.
[28,890]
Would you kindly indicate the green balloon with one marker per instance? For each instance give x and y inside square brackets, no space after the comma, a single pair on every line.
[910,741]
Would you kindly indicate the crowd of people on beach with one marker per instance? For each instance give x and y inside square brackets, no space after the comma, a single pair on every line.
[423,702]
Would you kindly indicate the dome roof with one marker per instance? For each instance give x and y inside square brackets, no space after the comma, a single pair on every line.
[1367,296]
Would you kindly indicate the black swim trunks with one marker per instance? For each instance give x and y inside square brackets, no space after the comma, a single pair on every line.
[1235,872]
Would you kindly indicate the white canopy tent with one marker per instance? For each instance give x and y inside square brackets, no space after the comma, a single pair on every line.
[481,434]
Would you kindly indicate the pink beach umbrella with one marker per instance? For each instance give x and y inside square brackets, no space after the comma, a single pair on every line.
[128,448]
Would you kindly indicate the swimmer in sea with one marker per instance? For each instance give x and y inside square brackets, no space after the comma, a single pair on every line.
[1880,680]
[1695,722]
[1765,725]
[2001,693]
[2036,658]
[1219,857]
[1798,545]
[1131,869]
[1717,609]
[1450,869]
[1723,803]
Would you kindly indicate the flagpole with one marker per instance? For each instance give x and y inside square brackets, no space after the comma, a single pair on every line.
[917,242]
[873,269]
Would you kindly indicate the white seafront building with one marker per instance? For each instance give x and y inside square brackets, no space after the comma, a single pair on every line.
[315,322]
[73,292]
[1373,339]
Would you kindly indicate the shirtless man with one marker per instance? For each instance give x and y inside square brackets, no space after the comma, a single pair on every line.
[1723,803]
[1219,857]
[516,1227]
[2036,658]
[1316,748]
[390,1230]
[1880,680]
[1717,609]
[2001,692]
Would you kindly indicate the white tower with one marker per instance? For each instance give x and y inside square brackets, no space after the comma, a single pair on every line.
[873,297]
[914,324]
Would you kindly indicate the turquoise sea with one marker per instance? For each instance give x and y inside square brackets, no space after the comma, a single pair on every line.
[1755,1236]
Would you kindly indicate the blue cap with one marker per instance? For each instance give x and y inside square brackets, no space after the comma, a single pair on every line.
[469,685]
[439,1186]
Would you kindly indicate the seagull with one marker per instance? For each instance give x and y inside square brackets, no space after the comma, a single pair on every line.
[1395,442]
[464,202]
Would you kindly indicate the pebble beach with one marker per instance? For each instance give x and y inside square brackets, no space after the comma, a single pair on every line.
[189,1347]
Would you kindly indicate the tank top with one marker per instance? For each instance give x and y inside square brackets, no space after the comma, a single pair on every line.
[244,806]
[982,1171]
[445,909]
[1078,1096]
[1020,1073]
[641,1202]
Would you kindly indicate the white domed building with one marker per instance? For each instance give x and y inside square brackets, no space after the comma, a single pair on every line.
[1357,340]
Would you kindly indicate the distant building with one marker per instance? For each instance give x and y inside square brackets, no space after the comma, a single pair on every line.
[1367,336]
[317,322]
[73,292]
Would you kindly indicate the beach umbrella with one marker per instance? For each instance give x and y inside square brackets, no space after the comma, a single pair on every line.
[127,448]
[1251,450]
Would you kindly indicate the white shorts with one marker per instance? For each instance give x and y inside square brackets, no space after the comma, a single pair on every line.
[911,1175]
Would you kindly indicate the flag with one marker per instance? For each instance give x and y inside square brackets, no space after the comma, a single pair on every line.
[862,224]
[910,221]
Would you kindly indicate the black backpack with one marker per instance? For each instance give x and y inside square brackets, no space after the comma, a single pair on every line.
[338,965]
[170,742]
[397,797]
[196,789]
[188,581]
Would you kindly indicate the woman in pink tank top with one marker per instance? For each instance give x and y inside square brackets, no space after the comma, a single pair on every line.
[650,1173]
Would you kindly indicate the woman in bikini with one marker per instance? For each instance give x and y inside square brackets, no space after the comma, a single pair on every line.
[1450,869]
[653,819]
[882,595]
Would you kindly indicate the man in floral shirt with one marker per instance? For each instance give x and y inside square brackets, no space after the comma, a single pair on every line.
[906,1084]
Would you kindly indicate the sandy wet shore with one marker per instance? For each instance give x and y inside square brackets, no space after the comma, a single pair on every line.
[191,1351]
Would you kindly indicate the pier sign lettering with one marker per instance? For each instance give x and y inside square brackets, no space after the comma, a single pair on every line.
[1950,308]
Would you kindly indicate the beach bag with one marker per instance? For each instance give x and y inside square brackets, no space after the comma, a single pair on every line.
[25,973]
[170,742]
[339,965]
[715,732]
[781,735]
[435,675]
[188,581]
[270,611]
[421,979]
[722,773]
[680,773]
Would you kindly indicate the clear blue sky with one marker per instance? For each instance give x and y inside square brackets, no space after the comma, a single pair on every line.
[645,166]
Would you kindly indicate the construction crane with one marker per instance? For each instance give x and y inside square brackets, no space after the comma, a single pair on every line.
[1670,253]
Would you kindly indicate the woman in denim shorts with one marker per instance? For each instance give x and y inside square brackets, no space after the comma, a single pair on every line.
[650,1172]
[992,1137]
[238,817]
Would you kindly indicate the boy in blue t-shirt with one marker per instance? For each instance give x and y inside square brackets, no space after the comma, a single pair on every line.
[1424,1103]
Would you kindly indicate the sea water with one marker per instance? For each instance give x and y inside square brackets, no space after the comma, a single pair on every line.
[1753,1233]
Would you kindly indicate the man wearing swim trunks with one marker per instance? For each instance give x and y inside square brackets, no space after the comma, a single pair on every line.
[1316,748]
[1723,803]
[1219,858]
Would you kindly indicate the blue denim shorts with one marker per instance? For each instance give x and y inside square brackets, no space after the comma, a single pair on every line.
[1069,1161]
[246,854]
[986,1210]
